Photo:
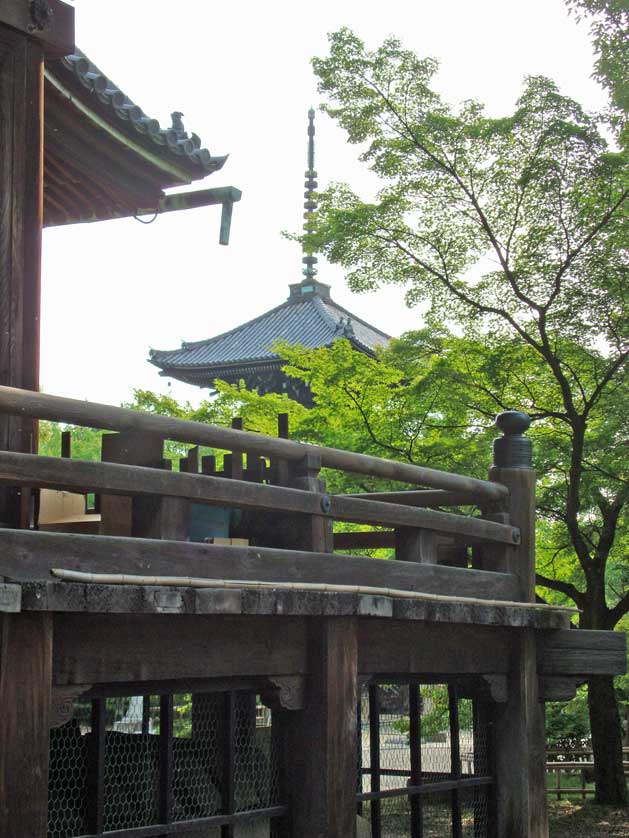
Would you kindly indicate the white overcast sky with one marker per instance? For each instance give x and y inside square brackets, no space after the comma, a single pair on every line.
[240,72]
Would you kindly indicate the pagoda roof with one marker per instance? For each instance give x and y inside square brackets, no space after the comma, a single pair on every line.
[104,157]
[309,317]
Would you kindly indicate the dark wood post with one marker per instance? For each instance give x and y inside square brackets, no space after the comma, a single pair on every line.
[25,692]
[320,752]
[23,44]
[520,745]
[321,739]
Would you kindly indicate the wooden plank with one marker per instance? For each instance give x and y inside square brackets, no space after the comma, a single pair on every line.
[26,555]
[582,652]
[154,599]
[103,648]
[396,647]
[56,38]
[52,472]
[322,788]
[25,700]
[74,411]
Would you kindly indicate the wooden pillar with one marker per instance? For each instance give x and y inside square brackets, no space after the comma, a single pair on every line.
[118,513]
[320,740]
[25,37]
[25,691]
[320,751]
[520,743]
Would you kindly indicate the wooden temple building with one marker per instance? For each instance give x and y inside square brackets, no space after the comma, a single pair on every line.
[287,686]
[309,317]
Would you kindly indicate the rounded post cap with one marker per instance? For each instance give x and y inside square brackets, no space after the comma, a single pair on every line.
[513,422]
[513,450]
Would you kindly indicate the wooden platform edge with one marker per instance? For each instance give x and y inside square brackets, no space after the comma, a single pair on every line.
[77,597]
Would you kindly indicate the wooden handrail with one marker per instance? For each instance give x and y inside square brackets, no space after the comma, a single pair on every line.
[59,409]
[426,498]
[115,479]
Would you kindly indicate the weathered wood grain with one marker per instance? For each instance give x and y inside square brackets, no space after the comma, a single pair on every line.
[397,647]
[131,449]
[111,418]
[320,739]
[26,555]
[582,652]
[155,599]
[21,185]
[116,479]
[25,699]
[99,648]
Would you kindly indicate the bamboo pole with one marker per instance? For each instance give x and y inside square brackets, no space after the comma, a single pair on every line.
[319,587]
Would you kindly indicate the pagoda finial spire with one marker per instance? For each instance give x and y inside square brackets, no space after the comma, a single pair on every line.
[310,205]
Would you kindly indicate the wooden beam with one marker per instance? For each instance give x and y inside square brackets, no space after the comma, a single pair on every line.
[425,497]
[105,648]
[27,555]
[160,599]
[94,415]
[582,652]
[115,479]
[25,700]
[56,35]
[376,539]
[397,647]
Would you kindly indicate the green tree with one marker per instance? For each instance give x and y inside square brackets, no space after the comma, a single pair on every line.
[517,230]
[609,27]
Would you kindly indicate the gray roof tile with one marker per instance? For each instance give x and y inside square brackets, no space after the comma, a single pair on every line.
[312,321]
[132,119]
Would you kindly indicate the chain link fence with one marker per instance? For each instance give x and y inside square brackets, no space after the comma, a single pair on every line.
[424,763]
[138,762]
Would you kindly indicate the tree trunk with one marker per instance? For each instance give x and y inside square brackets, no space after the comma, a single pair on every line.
[611,786]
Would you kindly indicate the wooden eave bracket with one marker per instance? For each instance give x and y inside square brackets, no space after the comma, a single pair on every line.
[62,703]
[49,22]
[284,692]
[227,196]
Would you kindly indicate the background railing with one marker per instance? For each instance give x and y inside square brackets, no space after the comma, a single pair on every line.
[573,772]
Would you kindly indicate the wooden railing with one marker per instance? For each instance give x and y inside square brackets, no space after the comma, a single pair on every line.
[580,764]
[419,532]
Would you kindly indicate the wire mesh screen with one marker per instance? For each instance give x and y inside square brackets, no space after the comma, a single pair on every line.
[139,762]
[424,763]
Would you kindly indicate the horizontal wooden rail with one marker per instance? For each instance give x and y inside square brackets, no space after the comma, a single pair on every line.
[116,479]
[374,540]
[58,409]
[426,498]
[26,555]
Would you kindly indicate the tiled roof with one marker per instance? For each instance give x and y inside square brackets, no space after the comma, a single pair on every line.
[313,320]
[130,118]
